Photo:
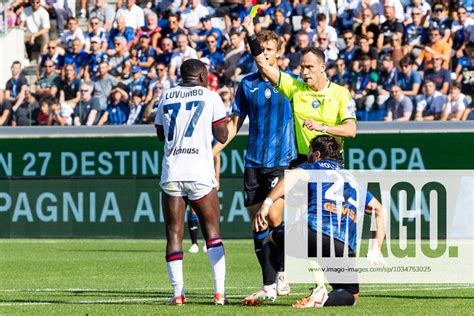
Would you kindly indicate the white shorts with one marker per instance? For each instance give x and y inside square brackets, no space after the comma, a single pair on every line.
[194,190]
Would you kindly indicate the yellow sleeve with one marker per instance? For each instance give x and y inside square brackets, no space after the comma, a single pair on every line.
[346,105]
[287,85]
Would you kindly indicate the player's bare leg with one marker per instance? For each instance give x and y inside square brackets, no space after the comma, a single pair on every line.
[207,209]
[174,208]
[268,257]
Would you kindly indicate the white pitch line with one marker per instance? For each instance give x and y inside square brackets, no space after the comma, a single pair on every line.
[131,300]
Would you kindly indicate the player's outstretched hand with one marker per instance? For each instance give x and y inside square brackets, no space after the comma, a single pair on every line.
[248,26]
[260,218]
[375,258]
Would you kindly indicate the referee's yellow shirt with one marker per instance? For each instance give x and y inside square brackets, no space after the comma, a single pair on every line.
[332,106]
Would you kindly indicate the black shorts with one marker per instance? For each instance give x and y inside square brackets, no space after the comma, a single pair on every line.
[258,182]
[339,252]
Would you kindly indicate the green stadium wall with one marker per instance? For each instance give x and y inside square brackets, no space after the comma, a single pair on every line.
[93,187]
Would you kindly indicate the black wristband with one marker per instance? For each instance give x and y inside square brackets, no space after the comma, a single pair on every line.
[255,48]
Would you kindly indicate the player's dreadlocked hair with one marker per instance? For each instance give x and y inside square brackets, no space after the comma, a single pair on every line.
[328,147]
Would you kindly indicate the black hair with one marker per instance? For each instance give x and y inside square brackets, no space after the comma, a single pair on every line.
[316,51]
[191,69]
[328,147]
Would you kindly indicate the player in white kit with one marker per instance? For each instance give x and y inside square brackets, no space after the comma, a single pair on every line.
[188,118]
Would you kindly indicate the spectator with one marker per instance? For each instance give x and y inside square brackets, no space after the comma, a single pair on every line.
[302,42]
[95,57]
[16,86]
[43,115]
[463,31]
[132,14]
[69,88]
[191,16]
[430,104]
[207,29]
[440,76]
[27,113]
[364,85]
[348,53]
[345,14]
[36,21]
[183,52]
[421,6]
[161,80]
[326,7]
[173,6]
[341,75]
[436,46]
[173,30]
[408,79]
[5,109]
[227,98]
[96,30]
[73,32]
[142,56]
[117,109]
[104,12]
[212,78]
[388,29]
[166,51]
[47,86]
[327,30]
[139,82]
[399,106]
[414,33]
[151,29]
[61,10]
[397,52]
[103,85]
[232,56]
[280,26]
[365,50]
[456,104]
[136,109]
[77,57]
[368,28]
[87,111]
[121,30]
[441,21]
[376,8]
[329,51]
[388,77]
[214,54]
[118,60]
[59,115]
[466,71]
[152,105]
[52,54]
[306,28]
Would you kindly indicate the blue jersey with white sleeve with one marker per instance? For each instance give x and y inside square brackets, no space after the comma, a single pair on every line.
[339,213]
[271,131]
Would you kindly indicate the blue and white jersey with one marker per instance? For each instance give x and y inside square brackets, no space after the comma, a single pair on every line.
[335,205]
[271,129]
[93,61]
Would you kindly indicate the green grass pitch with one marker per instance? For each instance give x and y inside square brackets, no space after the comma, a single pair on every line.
[128,277]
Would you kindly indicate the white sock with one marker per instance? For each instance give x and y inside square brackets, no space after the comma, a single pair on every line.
[215,253]
[174,264]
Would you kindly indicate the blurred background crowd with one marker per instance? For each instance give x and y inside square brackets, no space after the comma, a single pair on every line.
[94,62]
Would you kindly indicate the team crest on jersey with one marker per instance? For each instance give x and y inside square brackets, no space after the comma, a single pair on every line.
[315,104]
[268,93]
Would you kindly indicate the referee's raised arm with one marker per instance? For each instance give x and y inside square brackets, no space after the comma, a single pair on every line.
[271,73]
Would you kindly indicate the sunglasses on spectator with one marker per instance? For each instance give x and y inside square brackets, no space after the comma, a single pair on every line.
[210,42]
[94,23]
[434,34]
[415,13]
[406,66]
[51,47]
[394,91]
[348,38]
[439,10]
[322,39]
[160,69]
[83,90]
[462,12]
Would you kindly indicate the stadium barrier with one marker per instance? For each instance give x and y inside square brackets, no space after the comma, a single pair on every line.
[103,182]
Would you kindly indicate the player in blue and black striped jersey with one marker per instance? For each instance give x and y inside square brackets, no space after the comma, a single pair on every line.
[339,216]
[271,147]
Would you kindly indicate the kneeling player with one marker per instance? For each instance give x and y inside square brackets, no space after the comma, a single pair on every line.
[325,154]
[188,117]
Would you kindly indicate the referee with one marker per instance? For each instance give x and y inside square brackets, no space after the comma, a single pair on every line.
[319,105]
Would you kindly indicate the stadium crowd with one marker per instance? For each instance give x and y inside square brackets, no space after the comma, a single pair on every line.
[109,64]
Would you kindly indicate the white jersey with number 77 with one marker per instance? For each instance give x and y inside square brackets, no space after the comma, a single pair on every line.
[187,114]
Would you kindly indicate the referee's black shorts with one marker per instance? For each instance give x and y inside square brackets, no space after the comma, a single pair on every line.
[258,182]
